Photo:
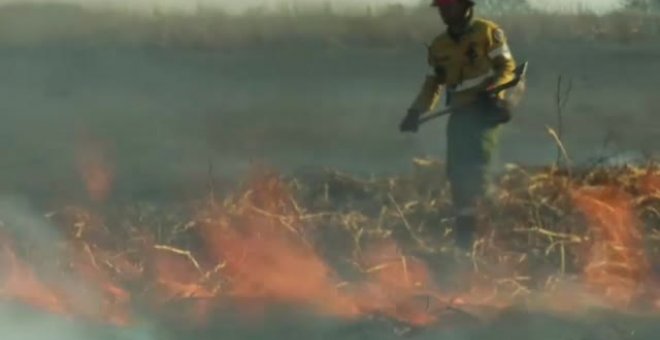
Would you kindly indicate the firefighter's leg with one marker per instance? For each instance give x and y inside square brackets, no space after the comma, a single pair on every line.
[470,148]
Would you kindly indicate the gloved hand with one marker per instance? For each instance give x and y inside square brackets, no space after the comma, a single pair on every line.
[411,122]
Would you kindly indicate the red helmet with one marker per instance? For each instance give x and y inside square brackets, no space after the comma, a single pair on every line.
[440,3]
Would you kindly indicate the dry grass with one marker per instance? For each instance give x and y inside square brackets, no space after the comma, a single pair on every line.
[531,212]
[532,228]
[534,239]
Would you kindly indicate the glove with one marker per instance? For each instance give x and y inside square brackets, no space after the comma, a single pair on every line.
[411,122]
[497,109]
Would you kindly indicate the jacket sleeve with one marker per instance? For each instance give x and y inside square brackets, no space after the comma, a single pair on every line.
[500,56]
[430,91]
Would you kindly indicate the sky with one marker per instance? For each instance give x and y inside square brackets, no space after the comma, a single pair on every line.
[240,5]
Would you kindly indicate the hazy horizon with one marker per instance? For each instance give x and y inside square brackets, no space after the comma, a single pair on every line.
[234,6]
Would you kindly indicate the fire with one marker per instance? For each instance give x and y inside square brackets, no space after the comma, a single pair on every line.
[264,263]
[20,283]
[105,300]
[268,261]
[395,285]
[95,168]
[650,182]
[82,290]
[255,251]
[178,278]
[617,265]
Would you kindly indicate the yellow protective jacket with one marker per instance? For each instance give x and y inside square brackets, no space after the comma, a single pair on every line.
[466,66]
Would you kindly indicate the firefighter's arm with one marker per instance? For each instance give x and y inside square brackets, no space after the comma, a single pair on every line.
[428,96]
[501,58]
[430,92]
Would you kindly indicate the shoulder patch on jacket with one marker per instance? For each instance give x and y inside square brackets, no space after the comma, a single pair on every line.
[498,36]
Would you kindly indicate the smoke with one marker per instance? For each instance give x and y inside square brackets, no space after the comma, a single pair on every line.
[20,323]
[600,6]
[226,5]
[20,317]
[240,6]
[26,225]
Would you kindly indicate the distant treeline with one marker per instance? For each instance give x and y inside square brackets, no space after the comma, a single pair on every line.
[392,26]
[642,5]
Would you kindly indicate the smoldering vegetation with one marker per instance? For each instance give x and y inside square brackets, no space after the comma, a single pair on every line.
[332,256]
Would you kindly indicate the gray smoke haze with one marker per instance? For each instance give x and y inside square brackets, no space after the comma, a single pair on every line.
[237,6]
[21,322]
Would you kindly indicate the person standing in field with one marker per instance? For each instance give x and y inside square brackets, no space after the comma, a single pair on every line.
[469,60]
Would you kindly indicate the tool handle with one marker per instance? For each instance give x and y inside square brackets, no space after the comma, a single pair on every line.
[520,74]
[430,115]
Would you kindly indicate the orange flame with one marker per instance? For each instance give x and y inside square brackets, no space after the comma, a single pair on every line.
[178,277]
[94,296]
[650,183]
[95,168]
[264,263]
[105,301]
[255,251]
[267,260]
[21,284]
[395,284]
[617,266]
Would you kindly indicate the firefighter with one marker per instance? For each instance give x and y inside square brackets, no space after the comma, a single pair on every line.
[467,61]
